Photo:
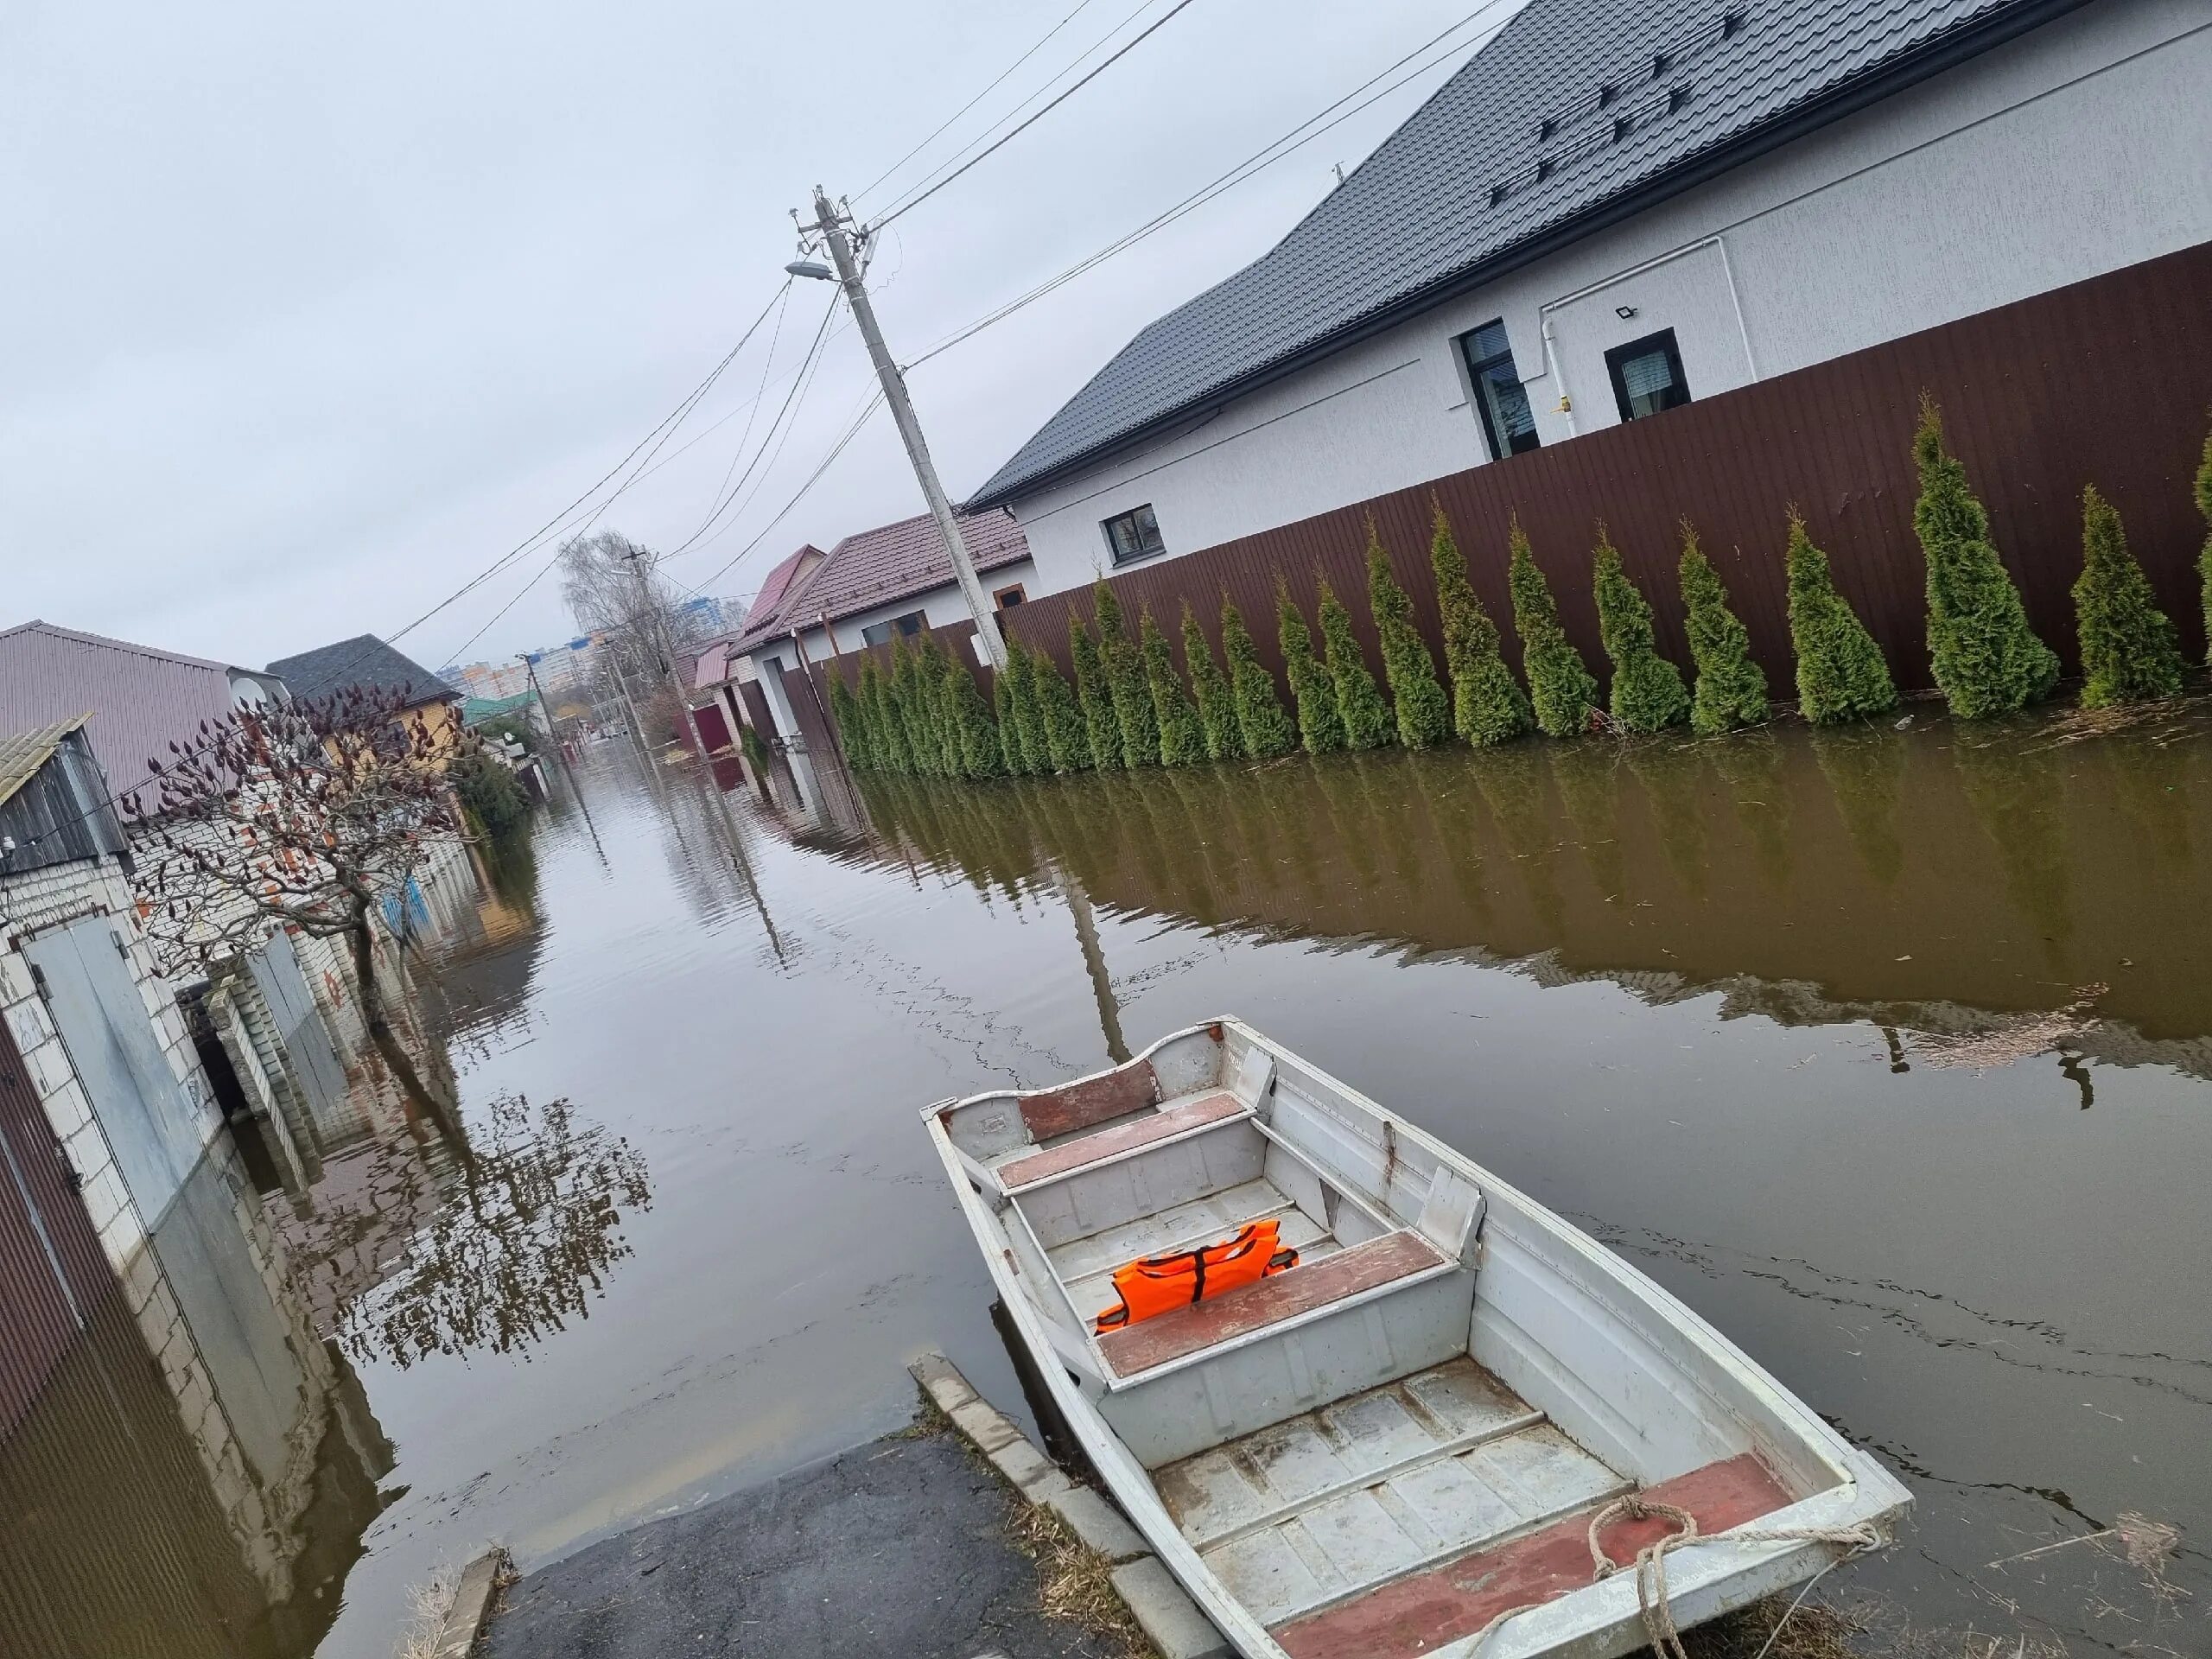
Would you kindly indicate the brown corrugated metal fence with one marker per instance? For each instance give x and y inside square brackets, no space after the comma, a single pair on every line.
[52,1268]
[2106,381]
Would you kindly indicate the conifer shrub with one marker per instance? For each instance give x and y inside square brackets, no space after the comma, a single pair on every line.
[1012,761]
[1487,705]
[1840,673]
[1067,739]
[1209,687]
[845,715]
[1320,727]
[950,733]
[1562,693]
[913,721]
[2129,650]
[884,724]
[1367,720]
[981,754]
[1182,734]
[1730,687]
[1096,697]
[1985,657]
[2204,559]
[1032,757]
[1125,678]
[1424,712]
[1648,695]
[1263,729]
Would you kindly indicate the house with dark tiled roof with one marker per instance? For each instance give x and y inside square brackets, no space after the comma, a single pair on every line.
[1615,207]
[367,663]
[881,584]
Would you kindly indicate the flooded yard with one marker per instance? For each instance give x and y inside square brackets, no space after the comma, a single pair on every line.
[1891,1053]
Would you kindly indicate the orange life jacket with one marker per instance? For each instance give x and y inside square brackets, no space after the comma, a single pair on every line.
[1159,1284]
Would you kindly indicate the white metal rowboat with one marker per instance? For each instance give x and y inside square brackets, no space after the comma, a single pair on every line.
[1417,1441]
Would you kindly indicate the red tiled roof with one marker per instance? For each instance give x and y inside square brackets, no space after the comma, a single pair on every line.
[891,561]
[779,581]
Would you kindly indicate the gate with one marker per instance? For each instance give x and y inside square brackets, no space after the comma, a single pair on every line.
[314,1067]
[155,1128]
[52,1271]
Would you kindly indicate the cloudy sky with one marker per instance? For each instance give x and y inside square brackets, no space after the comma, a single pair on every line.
[314,312]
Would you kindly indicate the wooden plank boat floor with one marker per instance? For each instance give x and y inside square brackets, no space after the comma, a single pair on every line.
[1312,1512]
[1086,1265]
[1422,1612]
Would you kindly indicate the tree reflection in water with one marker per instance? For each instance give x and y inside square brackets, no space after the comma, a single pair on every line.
[522,1245]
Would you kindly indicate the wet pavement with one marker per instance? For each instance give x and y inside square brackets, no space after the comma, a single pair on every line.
[1891,1054]
[898,1549]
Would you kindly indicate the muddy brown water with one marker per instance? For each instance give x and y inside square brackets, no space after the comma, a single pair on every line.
[1891,1053]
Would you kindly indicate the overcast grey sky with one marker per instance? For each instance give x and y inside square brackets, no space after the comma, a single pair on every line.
[314,312]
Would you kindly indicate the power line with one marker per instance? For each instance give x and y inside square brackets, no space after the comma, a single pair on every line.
[1043,41]
[1257,163]
[813,478]
[1149,30]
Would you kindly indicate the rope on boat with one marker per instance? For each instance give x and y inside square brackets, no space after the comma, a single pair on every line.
[1651,1565]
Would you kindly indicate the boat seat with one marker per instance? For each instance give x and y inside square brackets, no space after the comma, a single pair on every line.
[1361,1266]
[1117,1138]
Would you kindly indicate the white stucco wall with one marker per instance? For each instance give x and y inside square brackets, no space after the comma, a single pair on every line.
[2081,149]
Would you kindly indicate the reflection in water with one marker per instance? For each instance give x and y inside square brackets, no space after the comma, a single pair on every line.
[518,1244]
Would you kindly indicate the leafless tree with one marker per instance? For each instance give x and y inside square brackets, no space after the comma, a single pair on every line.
[304,814]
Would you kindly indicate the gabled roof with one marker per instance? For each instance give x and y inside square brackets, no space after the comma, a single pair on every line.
[142,700]
[368,662]
[1578,113]
[892,562]
[22,753]
[780,579]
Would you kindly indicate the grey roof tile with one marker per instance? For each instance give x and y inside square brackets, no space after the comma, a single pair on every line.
[365,661]
[1476,174]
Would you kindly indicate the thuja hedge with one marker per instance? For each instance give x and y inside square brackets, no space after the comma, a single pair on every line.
[2204,559]
[922,714]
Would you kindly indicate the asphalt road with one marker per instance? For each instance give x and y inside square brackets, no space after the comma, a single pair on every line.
[898,1548]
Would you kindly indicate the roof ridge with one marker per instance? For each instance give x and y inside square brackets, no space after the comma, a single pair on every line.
[153,652]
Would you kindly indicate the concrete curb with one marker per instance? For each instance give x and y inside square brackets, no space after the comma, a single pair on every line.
[1161,1607]
[472,1605]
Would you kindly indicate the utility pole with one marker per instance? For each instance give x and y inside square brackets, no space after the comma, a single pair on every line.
[831,227]
[552,731]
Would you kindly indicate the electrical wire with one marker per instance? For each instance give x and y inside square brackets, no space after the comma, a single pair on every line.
[813,478]
[1257,163]
[996,82]
[1120,52]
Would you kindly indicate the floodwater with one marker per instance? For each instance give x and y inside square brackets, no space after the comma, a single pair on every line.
[1891,1053]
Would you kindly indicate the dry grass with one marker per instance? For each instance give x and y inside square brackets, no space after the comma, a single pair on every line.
[1074,1583]
[428,1604]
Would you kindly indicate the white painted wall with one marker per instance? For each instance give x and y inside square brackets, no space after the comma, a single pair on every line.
[2082,149]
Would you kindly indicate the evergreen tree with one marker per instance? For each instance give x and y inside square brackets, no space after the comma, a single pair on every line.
[1263,730]
[2204,559]
[1125,676]
[1096,697]
[1031,754]
[952,750]
[1320,727]
[1366,717]
[1984,655]
[1559,687]
[1647,693]
[1730,687]
[934,660]
[2129,652]
[1011,759]
[845,714]
[1424,713]
[1067,739]
[1216,704]
[1840,673]
[981,755]
[1182,734]
[1487,705]
[905,677]
[889,731]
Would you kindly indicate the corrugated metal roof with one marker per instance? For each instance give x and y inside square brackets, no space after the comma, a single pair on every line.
[891,561]
[24,753]
[142,700]
[1577,109]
